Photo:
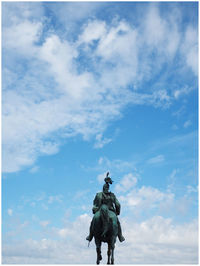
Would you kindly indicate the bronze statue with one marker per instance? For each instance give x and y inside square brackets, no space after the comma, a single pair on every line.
[105,226]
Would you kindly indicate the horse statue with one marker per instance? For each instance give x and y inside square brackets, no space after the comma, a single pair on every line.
[105,226]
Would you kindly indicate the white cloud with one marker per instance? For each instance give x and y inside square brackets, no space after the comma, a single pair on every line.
[181,92]
[44,223]
[172,243]
[146,198]
[21,37]
[157,159]
[76,12]
[165,39]
[76,110]
[181,139]
[192,189]
[172,178]
[81,194]
[100,141]
[153,20]
[115,165]
[34,169]
[190,49]
[101,177]
[94,30]
[45,206]
[162,230]
[174,127]
[146,201]
[64,232]
[16,12]
[50,95]
[112,44]
[187,124]
[126,183]
[158,98]
[10,212]
[56,198]
[42,200]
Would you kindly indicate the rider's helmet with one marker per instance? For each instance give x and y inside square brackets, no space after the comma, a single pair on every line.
[107,179]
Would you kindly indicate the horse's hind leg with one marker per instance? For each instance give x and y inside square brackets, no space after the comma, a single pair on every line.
[109,253]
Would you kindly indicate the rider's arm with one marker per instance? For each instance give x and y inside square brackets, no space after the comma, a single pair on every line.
[96,204]
[117,205]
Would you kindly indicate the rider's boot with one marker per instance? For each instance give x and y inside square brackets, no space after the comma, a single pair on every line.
[89,238]
[120,236]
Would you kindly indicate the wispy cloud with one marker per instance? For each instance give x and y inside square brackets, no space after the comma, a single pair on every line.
[179,140]
[187,124]
[56,198]
[100,141]
[190,48]
[104,164]
[44,223]
[34,169]
[183,91]
[157,159]
[43,200]
[55,87]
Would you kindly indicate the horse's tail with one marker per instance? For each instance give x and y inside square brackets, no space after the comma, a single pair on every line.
[104,212]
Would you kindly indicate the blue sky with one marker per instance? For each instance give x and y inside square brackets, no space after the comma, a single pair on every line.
[91,87]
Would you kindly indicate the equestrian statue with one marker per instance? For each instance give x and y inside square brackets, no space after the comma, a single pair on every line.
[105,226]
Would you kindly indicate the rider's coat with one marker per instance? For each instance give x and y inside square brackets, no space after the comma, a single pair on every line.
[108,199]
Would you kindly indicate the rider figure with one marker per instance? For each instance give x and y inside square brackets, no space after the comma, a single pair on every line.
[111,201]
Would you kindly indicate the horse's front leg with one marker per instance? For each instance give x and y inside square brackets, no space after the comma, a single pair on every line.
[99,257]
[98,249]
[112,255]
[109,253]
[112,250]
